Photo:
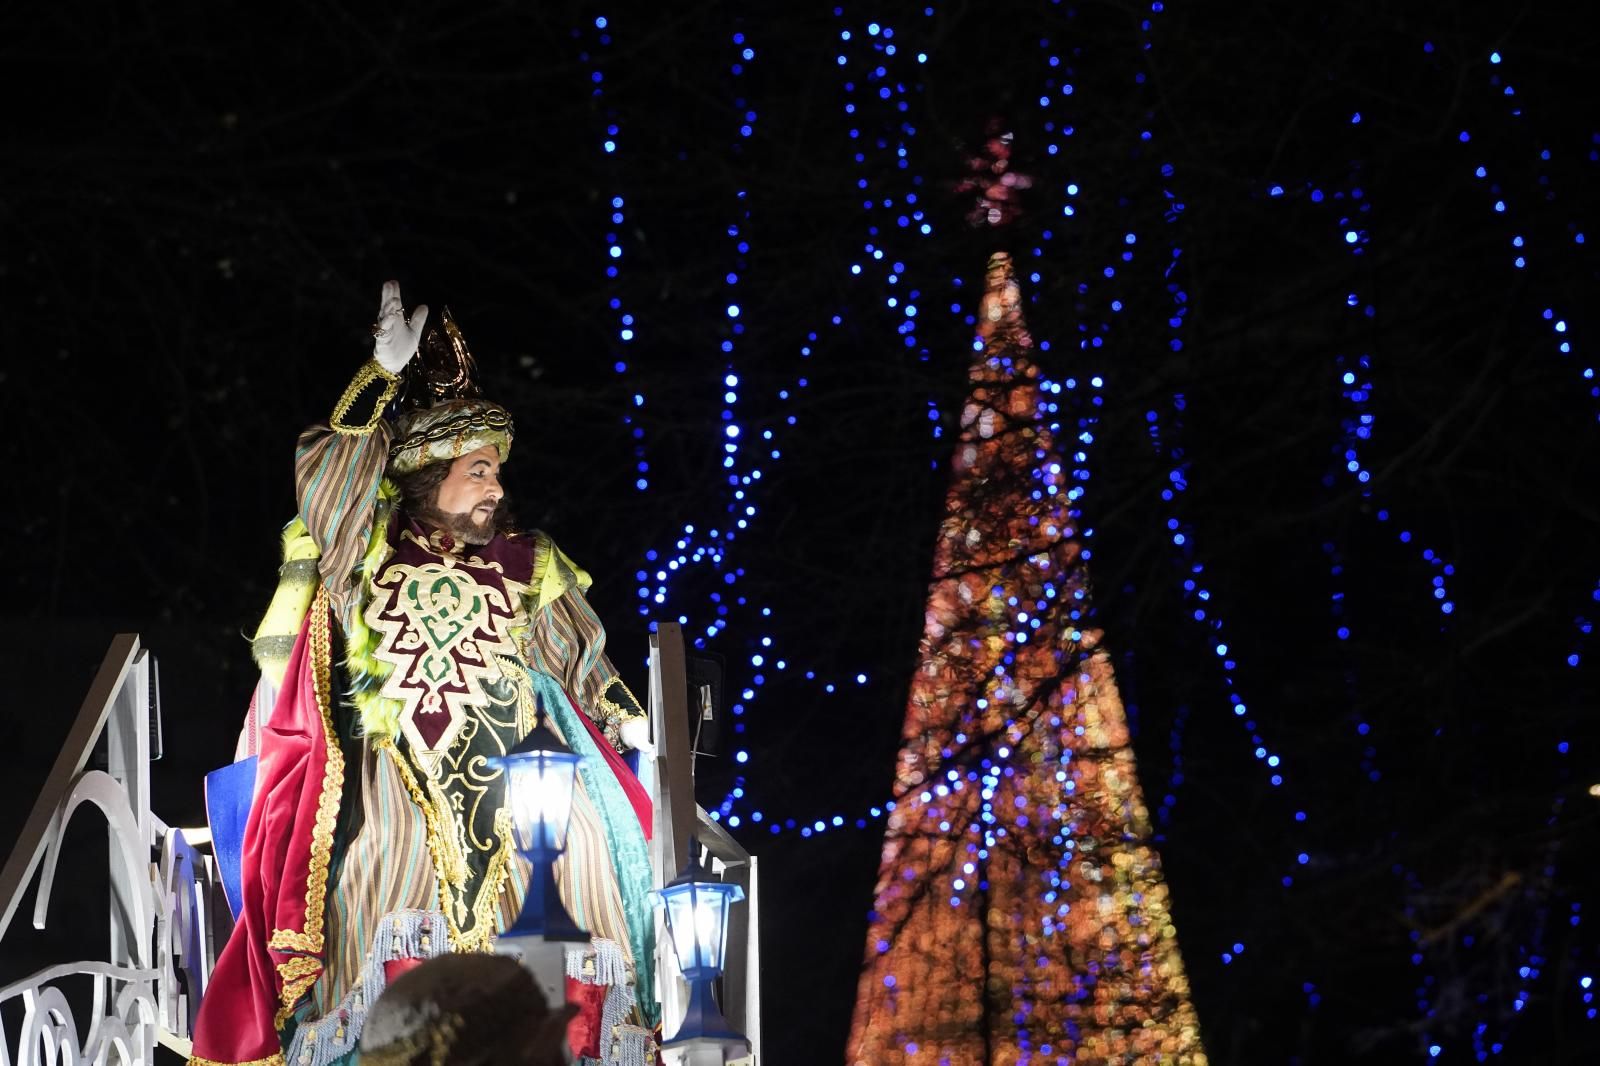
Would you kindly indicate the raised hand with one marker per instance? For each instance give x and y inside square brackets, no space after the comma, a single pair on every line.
[394,338]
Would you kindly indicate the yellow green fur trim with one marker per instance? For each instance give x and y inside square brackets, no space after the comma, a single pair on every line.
[554,573]
[379,715]
[297,583]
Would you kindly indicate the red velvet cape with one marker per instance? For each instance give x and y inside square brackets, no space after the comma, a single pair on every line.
[276,951]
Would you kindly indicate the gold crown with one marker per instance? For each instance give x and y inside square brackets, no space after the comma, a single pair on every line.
[442,414]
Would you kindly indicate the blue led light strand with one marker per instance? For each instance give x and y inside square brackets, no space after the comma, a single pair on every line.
[879,84]
[747,445]
[1355,377]
[1520,243]
[1165,432]
[600,31]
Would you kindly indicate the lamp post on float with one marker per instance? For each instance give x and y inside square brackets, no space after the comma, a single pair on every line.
[541,772]
[696,909]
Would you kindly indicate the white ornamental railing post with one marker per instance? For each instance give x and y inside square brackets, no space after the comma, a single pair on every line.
[669,778]
[162,914]
[672,796]
[127,733]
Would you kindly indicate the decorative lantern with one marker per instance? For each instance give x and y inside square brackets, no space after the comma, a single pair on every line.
[696,909]
[541,772]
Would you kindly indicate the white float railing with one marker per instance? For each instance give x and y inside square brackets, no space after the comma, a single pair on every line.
[161,940]
[670,781]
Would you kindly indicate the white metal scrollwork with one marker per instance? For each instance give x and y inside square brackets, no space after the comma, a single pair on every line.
[160,954]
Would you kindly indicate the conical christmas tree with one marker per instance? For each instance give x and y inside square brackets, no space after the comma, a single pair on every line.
[1020,913]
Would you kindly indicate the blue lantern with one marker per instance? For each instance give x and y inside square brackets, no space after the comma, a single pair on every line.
[696,909]
[540,774]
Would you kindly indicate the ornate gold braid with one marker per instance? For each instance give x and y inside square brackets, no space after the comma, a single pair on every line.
[493,875]
[487,909]
[639,707]
[514,672]
[613,714]
[370,371]
[270,1060]
[492,418]
[499,868]
[300,973]
[431,817]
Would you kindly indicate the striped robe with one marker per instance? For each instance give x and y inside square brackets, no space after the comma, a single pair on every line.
[385,864]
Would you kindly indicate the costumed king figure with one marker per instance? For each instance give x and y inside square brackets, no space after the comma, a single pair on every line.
[413,636]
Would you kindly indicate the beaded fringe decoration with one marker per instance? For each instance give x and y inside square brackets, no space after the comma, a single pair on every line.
[601,962]
[633,1046]
[614,1014]
[335,1036]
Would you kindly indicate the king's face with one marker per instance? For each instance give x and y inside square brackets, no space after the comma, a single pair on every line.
[472,488]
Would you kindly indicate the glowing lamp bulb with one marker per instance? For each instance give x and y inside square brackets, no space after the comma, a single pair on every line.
[540,774]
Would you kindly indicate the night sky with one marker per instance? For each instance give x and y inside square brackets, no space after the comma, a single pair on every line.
[199,204]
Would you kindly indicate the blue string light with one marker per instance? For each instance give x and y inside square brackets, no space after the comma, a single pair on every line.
[616,228]
[1203,607]
[877,87]
[1538,896]
[1556,321]
[878,64]
[893,213]
[1356,383]
[747,449]
[1565,346]
[1582,623]
[1356,387]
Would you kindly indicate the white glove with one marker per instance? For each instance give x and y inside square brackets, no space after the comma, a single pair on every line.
[395,340]
[635,734]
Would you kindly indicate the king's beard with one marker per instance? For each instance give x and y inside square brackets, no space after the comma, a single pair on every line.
[467,527]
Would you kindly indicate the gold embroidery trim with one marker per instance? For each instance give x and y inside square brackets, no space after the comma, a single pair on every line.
[270,1060]
[527,706]
[487,910]
[299,974]
[332,775]
[436,846]
[492,417]
[310,939]
[370,371]
[290,940]
[477,618]
[613,714]
[494,875]
[638,712]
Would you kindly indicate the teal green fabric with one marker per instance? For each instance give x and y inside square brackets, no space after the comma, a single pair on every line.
[629,852]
